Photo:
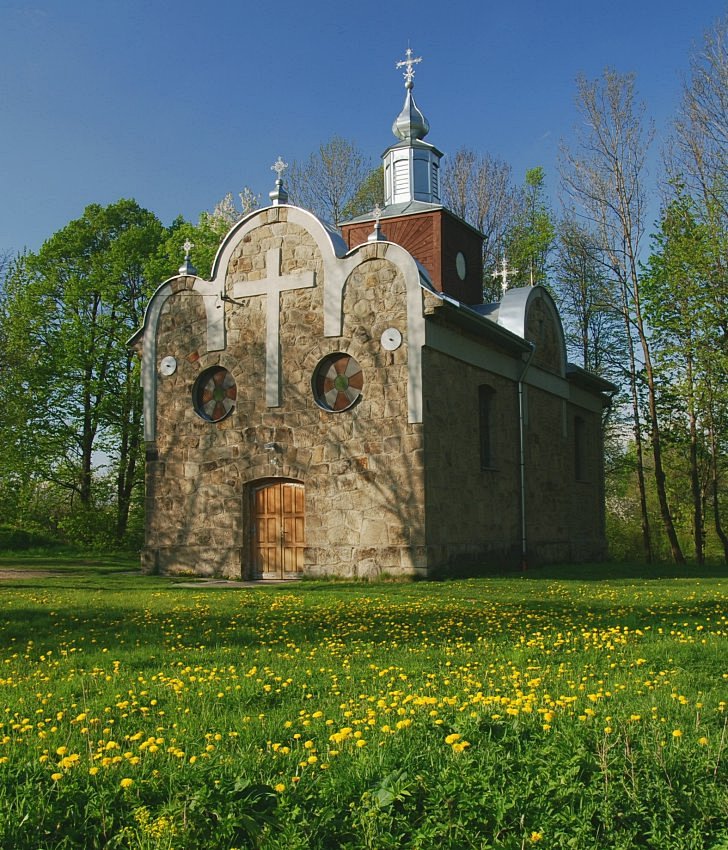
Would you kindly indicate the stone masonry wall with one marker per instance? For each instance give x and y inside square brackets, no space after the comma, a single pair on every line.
[474,514]
[361,468]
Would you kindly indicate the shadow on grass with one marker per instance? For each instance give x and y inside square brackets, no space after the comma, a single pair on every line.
[70,562]
[610,571]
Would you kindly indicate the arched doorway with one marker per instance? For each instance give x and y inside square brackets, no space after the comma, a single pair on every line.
[278,526]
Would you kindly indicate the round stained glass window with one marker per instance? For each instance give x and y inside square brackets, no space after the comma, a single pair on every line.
[214,394]
[337,382]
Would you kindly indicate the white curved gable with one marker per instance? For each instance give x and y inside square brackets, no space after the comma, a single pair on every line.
[514,311]
[338,264]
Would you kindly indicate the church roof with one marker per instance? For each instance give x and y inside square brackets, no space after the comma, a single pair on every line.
[407,208]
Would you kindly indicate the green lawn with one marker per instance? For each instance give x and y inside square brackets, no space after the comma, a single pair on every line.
[559,709]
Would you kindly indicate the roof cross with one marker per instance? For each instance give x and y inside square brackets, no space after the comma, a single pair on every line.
[504,273]
[279,167]
[408,63]
[376,235]
[187,267]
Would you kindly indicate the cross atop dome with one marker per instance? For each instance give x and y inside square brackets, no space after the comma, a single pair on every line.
[410,124]
[409,74]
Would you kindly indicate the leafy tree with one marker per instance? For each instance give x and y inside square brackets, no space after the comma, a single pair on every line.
[529,240]
[682,299]
[68,311]
[367,196]
[697,161]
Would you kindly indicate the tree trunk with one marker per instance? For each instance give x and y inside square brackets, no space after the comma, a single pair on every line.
[695,488]
[637,428]
[715,485]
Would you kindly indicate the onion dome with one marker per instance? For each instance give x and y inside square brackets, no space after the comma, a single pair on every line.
[410,124]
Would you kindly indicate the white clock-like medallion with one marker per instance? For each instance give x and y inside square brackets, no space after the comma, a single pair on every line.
[460,265]
[391,339]
[168,366]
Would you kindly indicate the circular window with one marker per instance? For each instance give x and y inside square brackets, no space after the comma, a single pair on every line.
[214,394]
[337,382]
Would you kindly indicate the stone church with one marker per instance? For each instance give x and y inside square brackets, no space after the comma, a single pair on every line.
[342,403]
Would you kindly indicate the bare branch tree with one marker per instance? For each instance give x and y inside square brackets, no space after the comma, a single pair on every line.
[479,189]
[329,179]
[700,156]
[604,176]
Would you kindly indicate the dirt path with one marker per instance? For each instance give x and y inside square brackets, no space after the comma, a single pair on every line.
[18,574]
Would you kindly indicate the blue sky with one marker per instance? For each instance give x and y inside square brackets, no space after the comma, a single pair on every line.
[177,103]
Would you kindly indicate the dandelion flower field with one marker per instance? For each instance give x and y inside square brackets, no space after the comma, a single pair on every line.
[487,713]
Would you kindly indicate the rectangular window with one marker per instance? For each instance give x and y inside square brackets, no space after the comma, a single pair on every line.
[486,398]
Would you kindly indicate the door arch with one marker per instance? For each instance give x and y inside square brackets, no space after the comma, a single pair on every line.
[278,529]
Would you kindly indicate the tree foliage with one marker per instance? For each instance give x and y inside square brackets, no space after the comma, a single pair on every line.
[67,313]
[530,238]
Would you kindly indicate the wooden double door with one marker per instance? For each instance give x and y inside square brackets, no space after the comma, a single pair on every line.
[278,529]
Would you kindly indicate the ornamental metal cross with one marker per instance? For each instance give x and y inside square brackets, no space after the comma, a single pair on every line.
[408,63]
[504,273]
[187,247]
[279,167]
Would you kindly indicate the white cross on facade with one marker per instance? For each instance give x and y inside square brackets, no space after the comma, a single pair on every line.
[187,247]
[407,63]
[271,286]
[504,273]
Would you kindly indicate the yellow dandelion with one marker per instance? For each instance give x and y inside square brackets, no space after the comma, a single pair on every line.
[676,733]
[703,741]
[535,836]
[279,788]
[126,782]
[56,776]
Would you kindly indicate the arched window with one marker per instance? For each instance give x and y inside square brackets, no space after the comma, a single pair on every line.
[580,466]
[486,404]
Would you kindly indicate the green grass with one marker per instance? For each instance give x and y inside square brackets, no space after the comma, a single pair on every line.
[556,709]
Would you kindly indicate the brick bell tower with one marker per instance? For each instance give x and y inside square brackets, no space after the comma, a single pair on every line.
[413,217]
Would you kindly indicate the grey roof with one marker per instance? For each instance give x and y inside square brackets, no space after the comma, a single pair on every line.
[393,210]
[410,208]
